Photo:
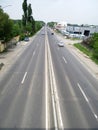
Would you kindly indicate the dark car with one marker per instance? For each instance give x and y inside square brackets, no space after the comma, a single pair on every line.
[26,39]
[52,33]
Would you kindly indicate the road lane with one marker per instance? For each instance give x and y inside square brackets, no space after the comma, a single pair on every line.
[22,97]
[67,98]
[76,112]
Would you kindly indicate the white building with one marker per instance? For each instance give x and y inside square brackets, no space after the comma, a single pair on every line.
[61,26]
[86,30]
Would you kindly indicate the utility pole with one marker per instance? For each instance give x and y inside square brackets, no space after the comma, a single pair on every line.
[5,6]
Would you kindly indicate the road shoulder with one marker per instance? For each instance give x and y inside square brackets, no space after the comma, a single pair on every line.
[9,57]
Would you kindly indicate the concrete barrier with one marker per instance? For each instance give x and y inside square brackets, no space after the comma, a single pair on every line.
[13,41]
[2,47]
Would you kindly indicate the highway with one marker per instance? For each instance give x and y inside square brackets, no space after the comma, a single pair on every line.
[22,90]
[48,88]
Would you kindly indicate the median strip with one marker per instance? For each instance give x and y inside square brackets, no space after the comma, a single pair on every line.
[58,123]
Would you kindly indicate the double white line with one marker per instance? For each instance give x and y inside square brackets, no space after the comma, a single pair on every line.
[54,94]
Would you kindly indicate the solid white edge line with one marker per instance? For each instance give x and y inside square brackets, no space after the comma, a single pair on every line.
[57,101]
[46,84]
[83,92]
[53,97]
[64,60]
[24,78]
[54,110]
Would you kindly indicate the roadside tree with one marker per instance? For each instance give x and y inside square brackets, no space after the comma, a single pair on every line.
[6,26]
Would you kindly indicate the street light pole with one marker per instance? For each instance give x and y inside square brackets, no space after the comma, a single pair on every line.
[5,6]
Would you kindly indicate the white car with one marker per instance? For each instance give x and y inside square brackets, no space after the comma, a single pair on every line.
[72,35]
[60,44]
[66,33]
[80,36]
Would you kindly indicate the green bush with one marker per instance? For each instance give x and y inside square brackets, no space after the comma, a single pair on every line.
[83,49]
[95,51]
[6,26]
[22,36]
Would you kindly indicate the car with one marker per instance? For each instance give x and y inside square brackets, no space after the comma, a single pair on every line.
[72,35]
[26,39]
[82,36]
[60,44]
[52,33]
[65,33]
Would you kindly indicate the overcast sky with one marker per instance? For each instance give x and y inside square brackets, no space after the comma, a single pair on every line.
[70,11]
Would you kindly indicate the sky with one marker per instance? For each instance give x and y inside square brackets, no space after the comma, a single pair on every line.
[70,11]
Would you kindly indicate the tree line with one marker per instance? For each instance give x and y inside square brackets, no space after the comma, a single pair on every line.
[27,26]
[51,24]
[6,26]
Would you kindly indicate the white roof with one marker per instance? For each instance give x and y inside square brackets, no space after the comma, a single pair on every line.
[62,23]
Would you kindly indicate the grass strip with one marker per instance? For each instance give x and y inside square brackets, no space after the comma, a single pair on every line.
[86,51]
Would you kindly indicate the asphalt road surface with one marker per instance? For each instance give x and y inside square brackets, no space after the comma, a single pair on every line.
[48,88]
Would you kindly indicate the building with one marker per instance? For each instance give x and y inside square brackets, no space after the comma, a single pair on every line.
[61,26]
[86,30]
